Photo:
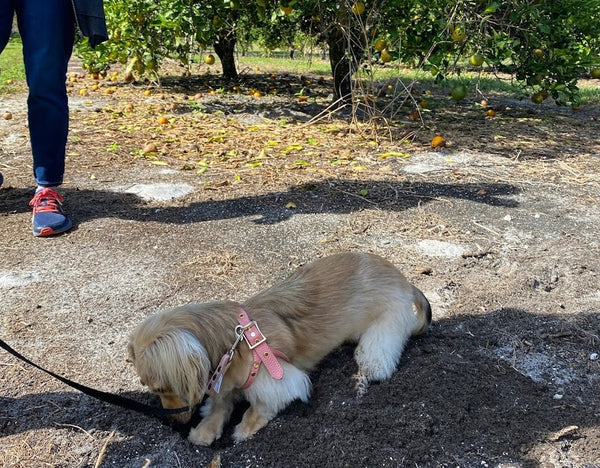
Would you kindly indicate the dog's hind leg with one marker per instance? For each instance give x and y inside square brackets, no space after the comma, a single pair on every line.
[380,347]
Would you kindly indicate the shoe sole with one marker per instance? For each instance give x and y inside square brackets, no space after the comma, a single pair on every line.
[48,231]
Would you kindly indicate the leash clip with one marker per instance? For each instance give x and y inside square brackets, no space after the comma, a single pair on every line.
[214,384]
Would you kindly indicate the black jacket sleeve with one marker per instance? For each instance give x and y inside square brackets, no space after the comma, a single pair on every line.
[91,21]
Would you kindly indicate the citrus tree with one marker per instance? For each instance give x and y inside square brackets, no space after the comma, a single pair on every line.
[143,32]
[545,46]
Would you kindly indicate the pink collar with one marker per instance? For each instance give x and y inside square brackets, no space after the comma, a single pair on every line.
[261,352]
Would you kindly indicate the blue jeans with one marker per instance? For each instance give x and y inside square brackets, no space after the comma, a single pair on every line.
[47,29]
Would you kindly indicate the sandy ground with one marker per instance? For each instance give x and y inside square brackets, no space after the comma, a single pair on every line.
[505,248]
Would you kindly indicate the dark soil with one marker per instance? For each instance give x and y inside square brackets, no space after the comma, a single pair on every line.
[499,229]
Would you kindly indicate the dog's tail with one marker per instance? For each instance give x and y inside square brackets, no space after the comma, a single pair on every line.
[423,311]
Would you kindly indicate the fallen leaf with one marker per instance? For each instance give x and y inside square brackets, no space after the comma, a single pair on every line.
[293,147]
[564,432]
[393,154]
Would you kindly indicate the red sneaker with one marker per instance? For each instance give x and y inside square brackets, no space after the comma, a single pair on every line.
[48,216]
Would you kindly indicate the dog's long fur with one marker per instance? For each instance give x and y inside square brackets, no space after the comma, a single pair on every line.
[345,297]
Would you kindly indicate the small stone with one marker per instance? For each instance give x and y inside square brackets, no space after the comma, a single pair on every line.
[594,357]
[557,396]
[149,148]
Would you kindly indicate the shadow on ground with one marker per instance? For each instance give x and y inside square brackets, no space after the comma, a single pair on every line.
[329,196]
[464,387]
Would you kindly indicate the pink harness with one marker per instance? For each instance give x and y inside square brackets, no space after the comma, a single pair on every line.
[261,352]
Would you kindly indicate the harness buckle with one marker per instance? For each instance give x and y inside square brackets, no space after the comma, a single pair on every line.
[252,334]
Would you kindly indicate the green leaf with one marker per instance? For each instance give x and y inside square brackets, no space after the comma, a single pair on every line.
[492,7]
[293,147]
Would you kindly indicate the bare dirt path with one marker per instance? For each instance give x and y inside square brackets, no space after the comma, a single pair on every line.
[500,231]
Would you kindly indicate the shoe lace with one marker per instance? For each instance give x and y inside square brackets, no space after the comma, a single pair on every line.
[46,200]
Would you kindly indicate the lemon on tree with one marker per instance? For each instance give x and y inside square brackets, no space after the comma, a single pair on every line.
[596,73]
[539,97]
[358,8]
[458,92]
[476,60]
[380,44]
[386,56]
[459,34]
[210,59]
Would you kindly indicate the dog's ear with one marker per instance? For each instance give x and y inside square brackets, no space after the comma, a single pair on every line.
[180,364]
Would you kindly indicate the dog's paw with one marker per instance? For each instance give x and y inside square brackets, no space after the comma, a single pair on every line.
[242,432]
[202,436]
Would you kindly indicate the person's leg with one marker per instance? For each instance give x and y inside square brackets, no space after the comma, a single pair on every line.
[7,12]
[47,29]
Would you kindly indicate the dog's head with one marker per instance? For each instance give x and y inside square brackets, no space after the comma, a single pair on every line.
[171,362]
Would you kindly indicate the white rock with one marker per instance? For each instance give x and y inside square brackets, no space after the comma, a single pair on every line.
[160,192]
[11,279]
[435,248]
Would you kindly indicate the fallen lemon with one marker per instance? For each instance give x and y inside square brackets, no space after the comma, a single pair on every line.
[438,141]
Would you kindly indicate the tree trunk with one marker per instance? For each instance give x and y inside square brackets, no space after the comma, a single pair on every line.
[341,67]
[225,48]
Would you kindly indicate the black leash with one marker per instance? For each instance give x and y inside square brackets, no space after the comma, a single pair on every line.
[118,400]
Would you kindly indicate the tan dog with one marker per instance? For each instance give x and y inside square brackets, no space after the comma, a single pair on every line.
[345,297]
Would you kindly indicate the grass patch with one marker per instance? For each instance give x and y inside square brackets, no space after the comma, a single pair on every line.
[279,62]
[12,70]
[477,83]
[590,93]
